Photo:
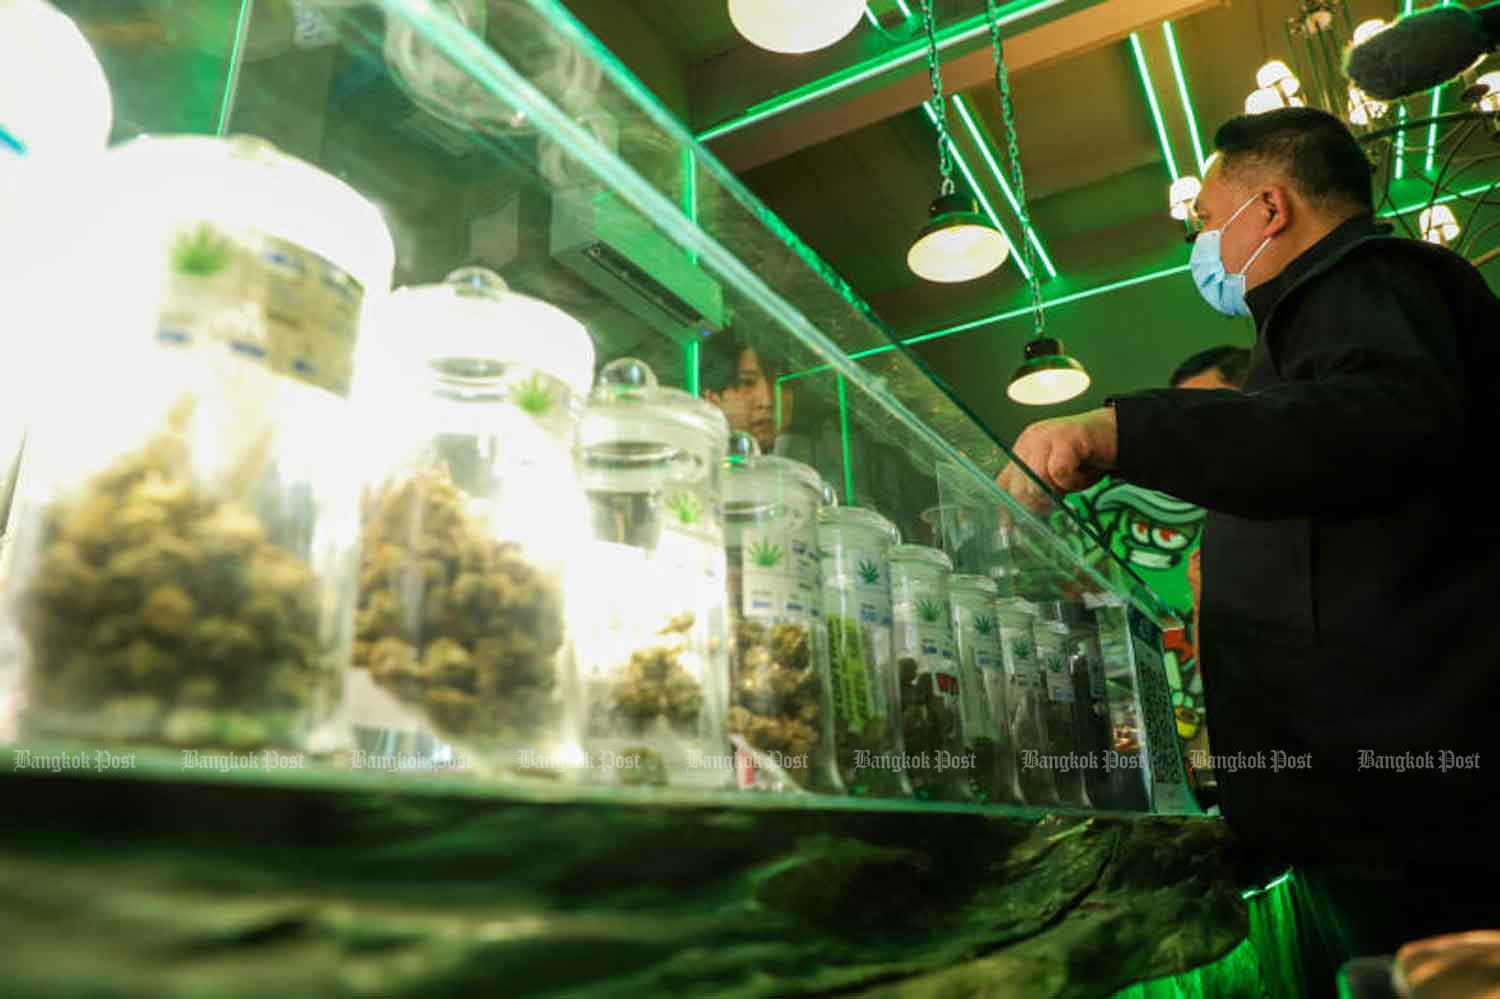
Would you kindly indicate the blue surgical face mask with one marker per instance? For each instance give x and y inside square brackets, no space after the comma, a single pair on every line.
[1224,291]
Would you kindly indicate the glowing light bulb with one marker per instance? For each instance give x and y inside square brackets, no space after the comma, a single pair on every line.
[1439,225]
[795,26]
[1184,192]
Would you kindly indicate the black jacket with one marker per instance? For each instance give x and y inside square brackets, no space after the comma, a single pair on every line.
[1351,563]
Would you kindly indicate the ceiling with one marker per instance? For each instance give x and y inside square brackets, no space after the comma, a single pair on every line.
[852,173]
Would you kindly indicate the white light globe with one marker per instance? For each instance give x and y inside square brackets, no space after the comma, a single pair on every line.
[957,253]
[795,26]
[1183,193]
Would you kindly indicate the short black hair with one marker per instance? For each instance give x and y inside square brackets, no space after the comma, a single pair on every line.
[1233,363]
[1323,159]
[719,361]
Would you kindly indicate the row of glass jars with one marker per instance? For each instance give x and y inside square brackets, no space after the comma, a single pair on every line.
[538,578]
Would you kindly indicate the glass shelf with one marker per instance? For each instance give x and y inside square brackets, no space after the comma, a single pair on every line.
[501,133]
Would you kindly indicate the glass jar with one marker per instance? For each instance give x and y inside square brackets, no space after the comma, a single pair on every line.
[471,532]
[928,674]
[530,354]
[853,546]
[982,690]
[1026,701]
[780,714]
[1091,706]
[1061,722]
[655,649]
[1130,775]
[184,548]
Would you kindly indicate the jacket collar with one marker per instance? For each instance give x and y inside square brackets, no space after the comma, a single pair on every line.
[1313,261]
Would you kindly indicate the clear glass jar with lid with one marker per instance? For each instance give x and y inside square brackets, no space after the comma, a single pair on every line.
[780,715]
[1064,754]
[1027,700]
[1091,707]
[654,649]
[527,352]
[472,533]
[982,690]
[927,672]
[184,547]
[853,548]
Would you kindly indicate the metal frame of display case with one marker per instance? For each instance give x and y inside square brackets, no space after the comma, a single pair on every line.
[616,147]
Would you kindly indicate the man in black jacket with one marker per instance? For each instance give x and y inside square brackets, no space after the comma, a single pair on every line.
[1350,627]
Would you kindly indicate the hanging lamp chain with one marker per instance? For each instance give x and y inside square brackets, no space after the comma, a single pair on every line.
[1017,176]
[937,102]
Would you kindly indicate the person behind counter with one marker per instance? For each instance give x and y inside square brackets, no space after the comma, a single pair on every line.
[733,377]
[1347,597]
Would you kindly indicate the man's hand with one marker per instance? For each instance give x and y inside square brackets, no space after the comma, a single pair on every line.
[1068,454]
[1458,966]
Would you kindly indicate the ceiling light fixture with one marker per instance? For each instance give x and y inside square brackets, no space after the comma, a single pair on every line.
[1047,375]
[1439,225]
[1180,198]
[957,243]
[795,26]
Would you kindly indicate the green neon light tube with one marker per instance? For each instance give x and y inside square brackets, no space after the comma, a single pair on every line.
[1161,127]
[1000,317]
[1482,188]
[1401,113]
[999,175]
[1437,102]
[984,202]
[907,52]
[1182,92]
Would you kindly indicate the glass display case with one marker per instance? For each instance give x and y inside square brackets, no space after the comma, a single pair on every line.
[500,134]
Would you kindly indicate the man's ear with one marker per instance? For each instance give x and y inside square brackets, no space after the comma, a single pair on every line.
[1277,203]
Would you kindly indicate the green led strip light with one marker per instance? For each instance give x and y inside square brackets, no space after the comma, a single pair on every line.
[1445,199]
[1401,114]
[907,52]
[1161,127]
[979,195]
[1182,92]
[999,317]
[999,175]
[1437,102]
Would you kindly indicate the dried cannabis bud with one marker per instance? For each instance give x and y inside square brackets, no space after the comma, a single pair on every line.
[652,685]
[159,611]
[453,620]
[777,695]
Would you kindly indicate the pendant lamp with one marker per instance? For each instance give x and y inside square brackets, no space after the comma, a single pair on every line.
[795,26]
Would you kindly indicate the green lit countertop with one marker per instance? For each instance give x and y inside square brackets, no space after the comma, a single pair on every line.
[162,881]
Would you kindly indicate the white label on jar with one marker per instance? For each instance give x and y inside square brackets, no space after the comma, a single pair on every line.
[779,574]
[1049,648]
[269,301]
[1019,656]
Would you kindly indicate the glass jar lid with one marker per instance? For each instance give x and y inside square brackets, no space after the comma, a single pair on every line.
[630,418]
[973,584]
[844,518]
[922,555]
[244,182]
[750,474]
[473,326]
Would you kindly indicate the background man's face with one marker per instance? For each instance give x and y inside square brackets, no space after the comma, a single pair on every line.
[1213,378]
[747,404]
